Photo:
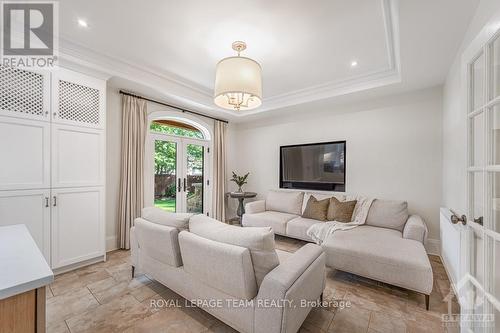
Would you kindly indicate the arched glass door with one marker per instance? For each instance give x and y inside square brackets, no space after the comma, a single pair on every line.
[180,170]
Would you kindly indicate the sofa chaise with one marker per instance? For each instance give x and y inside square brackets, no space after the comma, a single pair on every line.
[389,247]
[233,273]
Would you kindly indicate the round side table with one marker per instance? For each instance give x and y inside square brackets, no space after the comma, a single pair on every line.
[241,196]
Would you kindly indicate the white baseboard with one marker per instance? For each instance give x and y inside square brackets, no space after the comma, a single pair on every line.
[433,246]
[111,243]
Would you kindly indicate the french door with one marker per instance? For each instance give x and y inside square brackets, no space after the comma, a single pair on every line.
[479,287]
[180,169]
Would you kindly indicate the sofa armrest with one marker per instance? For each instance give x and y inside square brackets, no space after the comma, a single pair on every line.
[289,292]
[254,207]
[416,229]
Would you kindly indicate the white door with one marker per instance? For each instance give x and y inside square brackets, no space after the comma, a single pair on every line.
[179,173]
[32,208]
[25,154]
[77,156]
[479,286]
[77,225]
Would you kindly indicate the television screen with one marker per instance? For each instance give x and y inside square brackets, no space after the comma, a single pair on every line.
[317,166]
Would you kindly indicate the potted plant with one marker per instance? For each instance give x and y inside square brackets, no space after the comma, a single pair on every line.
[239,180]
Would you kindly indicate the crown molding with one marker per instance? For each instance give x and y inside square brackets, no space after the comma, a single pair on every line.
[199,97]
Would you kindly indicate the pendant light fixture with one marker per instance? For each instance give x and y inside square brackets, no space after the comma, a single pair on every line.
[238,81]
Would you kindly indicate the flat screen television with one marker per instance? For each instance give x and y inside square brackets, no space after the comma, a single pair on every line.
[313,166]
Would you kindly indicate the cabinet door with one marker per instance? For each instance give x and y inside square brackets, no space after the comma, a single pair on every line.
[77,156]
[24,94]
[77,225]
[32,208]
[25,154]
[78,99]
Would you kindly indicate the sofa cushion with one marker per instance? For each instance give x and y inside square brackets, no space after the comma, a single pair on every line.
[388,214]
[321,196]
[260,241]
[160,216]
[316,209]
[340,211]
[276,220]
[158,241]
[285,201]
[381,254]
[297,228]
[225,267]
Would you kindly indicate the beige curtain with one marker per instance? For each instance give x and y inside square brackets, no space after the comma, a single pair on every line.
[219,164]
[131,201]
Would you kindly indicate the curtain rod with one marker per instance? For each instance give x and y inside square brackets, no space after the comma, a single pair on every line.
[123,92]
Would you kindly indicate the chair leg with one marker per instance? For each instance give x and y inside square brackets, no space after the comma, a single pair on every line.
[427,297]
[133,271]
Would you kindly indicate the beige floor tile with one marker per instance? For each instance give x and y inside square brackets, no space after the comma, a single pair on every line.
[350,320]
[109,289]
[71,282]
[59,327]
[116,316]
[319,318]
[385,323]
[67,305]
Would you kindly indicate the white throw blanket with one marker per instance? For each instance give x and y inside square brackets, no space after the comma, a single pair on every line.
[320,231]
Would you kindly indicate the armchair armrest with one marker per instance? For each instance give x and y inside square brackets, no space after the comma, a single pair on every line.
[416,229]
[254,207]
[288,293]
[134,248]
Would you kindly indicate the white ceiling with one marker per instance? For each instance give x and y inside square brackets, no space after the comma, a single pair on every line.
[170,48]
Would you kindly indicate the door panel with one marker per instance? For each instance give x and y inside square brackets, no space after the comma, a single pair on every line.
[194,177]
[32,208]
[480,282]
[77,225]
[166,175]
[495,56]
[77,156]
[25,152]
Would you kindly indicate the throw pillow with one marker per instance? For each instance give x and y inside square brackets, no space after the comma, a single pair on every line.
[340,211]
[159,216]
[316,210]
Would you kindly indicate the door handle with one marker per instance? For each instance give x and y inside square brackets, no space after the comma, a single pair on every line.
[179,185]
[184,184]
[455,219]
[46,201]
[479,220]
[55,201]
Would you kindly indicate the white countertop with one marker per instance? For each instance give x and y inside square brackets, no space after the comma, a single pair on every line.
[22,265]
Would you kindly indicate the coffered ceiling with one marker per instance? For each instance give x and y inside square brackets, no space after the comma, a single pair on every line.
[307,49]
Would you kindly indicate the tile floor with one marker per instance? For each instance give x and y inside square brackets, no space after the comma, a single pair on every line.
[103,298]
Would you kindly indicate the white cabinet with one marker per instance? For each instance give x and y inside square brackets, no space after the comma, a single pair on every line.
[25,154]
[77,156]
[32,208]
[52,170]
[25,94]
[77,225]
[78,99]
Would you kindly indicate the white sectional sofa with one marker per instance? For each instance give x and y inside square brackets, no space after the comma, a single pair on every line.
[231,272]
[389,247]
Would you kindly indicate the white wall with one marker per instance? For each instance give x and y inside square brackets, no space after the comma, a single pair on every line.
[113,161]
[454,120]
[394,148]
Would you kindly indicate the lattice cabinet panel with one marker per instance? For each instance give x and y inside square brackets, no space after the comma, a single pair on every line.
[24,93]
[78,99]
[78,103]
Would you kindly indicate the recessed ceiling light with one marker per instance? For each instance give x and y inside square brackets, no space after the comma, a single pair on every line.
[354,63]
[82,23]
